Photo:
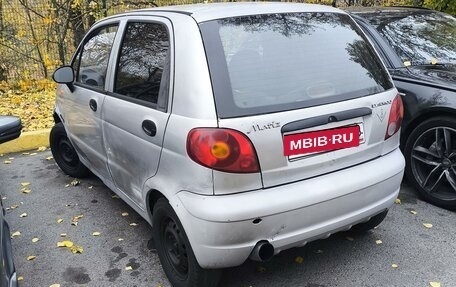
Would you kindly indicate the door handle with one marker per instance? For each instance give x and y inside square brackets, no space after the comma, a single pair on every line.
[93,105]
[149,128]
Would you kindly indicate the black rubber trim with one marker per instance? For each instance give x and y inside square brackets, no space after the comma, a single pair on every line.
[325,119]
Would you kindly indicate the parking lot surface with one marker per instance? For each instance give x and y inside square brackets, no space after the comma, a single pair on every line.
[45,204]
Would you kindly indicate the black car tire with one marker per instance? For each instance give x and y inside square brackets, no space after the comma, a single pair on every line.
[430,154]
[371,223]
[175,252]
[64,153]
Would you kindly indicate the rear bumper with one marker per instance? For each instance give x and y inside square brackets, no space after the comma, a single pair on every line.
[222,233]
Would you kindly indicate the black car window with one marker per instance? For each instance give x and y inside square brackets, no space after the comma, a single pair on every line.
[419,37]
[92,63]
[143,62]
[277,62]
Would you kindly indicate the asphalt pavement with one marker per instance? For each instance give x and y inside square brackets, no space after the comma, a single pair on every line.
[116,250]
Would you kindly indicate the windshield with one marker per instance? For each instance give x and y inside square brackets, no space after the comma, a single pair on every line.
[277,62]
[420,38]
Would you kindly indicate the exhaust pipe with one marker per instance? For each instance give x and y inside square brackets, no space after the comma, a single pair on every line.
[263,251]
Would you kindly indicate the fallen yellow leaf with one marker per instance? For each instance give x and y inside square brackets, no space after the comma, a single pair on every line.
[120,239]
[15,234]
[41,148]
[261,269]
[115,196]
[77,217]
[96,233]
[20,278]
[33,153]
[25,183]
[7,162]
[124,213]
[14,206]
[133,224]
[413,212]
[128,268]
[67,185]
[25,153]
[75,182]
[76,249]
[299,259]
[397,201]
[26,190]
[54,285]
[11,158]
[63,234]
[65,243]
[60,220]
[35,240]
[434,284]
[394,265]
[378,242]
[427,225]
[74,223]
[23,215]
[31,257]
[49,158]
[90,187]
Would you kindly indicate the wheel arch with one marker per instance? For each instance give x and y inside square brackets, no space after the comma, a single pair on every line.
[434,112]
[152,197]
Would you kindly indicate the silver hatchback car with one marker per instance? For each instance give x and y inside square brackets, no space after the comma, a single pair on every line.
[236,130]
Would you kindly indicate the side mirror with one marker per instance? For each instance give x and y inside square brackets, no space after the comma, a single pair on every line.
[10,128]
[64,75]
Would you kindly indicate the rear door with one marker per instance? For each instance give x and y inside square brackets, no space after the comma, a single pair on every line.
[290,74]
[135,113]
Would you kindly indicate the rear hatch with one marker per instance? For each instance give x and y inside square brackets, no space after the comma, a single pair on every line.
[307,89]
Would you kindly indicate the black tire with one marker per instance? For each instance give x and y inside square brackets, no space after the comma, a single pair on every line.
[430,155]
[175,253]
[371,224]
[64,153]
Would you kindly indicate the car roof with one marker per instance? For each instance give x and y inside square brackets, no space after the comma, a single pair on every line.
[386,10]
[212,11]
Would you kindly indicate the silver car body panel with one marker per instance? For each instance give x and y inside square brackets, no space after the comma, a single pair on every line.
[296,202]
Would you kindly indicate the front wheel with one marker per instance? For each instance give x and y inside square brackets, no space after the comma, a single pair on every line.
[175,253]
[430,154]
[64,153]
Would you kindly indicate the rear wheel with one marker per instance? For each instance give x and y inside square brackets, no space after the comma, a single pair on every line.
[430,154]
[175,253]
[371,224]
[64,153]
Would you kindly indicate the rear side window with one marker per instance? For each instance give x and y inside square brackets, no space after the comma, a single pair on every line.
[277,62]
[142,62]
[91,63]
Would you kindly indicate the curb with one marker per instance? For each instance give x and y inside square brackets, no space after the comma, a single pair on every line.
[27,141]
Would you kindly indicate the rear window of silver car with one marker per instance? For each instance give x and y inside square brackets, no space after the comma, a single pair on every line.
[276,62]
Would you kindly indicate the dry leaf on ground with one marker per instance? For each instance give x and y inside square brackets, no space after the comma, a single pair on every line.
[35,240]
[427,225]
[434,284]
[31,257]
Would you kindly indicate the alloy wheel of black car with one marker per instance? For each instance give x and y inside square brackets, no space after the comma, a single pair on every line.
[431,161]
[175,252]
[64,153]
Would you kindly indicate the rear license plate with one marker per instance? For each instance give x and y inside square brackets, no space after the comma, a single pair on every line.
[321,141]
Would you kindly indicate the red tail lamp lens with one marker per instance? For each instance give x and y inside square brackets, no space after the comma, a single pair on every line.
[395,117]
[222,149]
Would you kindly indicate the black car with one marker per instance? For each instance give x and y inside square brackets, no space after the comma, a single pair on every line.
[419,48]
[10,128]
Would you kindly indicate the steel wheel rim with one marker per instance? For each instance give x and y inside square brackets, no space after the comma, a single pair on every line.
[433,162]
[175,248]
[67,152]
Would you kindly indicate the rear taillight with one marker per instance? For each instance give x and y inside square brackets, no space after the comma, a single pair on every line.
[395,117]
[222,149]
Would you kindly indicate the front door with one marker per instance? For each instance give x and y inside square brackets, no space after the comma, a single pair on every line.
[135,113]
[83,107]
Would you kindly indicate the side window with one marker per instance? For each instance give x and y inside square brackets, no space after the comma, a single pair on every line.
[142,69]
[94,57]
